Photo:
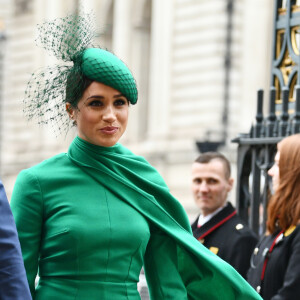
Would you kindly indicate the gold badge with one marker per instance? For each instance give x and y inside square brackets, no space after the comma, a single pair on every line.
[289,230]
[214,250]
[239,226]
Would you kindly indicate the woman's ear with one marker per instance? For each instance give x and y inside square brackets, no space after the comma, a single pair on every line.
[70,110]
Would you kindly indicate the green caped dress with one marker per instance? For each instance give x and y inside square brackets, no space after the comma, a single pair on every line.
[89,219]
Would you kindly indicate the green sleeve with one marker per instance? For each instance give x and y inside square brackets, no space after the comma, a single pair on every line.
[161,269]
[27,208]
[175,273]
[215,280]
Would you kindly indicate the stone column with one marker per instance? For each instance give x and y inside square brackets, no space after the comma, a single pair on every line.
[122,29]
[160,68]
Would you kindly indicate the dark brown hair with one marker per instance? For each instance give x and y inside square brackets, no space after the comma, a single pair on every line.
[207,157]
[284,206]
[76,85]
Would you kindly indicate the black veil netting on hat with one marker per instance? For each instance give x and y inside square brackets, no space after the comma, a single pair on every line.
[45,96]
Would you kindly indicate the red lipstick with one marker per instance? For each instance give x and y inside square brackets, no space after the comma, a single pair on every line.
[109,130]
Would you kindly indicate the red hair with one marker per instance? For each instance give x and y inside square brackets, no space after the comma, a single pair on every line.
[284,206]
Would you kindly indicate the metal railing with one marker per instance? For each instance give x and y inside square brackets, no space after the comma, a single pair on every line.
[256,151]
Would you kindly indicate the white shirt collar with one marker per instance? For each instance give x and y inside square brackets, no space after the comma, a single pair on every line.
[202,220]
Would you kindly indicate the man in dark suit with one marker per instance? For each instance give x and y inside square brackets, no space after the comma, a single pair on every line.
[13,281]
[218,226]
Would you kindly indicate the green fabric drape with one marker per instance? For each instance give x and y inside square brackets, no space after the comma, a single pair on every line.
[132,179]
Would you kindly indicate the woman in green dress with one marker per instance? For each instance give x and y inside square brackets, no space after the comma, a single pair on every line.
[90,219]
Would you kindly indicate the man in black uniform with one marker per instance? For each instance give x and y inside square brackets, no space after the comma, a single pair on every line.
[218,227]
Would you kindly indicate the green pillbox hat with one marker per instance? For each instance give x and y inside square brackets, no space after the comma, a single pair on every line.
[103,66]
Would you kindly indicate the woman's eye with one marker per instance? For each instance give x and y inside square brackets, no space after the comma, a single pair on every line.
[95,103]
[120,102]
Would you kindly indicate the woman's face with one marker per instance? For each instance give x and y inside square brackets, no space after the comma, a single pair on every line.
[101,115]
[274,172]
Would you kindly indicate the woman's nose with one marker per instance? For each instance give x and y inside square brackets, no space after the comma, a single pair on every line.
[109,114]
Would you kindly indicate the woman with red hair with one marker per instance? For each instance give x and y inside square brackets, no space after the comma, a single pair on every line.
[274,270]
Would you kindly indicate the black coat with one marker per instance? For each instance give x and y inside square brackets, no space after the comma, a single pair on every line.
[282,272]
[229,237]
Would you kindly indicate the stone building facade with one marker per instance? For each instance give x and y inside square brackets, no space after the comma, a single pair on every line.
[198,65]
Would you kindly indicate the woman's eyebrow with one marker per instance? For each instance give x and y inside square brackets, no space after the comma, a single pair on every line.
[102,97]
[118,95]
[95,96]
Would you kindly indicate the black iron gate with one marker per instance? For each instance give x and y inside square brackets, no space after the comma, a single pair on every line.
[256,150]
